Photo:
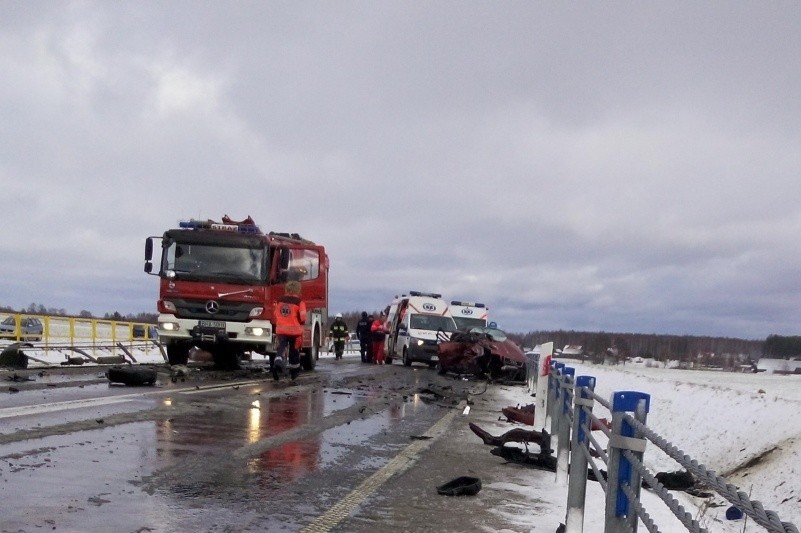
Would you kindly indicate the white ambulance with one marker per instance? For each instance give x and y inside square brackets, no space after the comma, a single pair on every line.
[416,322]
[469,314]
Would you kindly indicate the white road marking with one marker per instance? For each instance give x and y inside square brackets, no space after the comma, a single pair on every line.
[406,458]
[39,409]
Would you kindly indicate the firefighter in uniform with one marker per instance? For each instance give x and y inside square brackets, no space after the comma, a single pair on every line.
[290,315]
[339,334]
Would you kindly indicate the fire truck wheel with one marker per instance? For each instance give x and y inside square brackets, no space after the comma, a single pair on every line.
[177,354]
[130,375]
[310,355]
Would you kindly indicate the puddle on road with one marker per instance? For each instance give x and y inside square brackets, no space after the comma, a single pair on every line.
[175,474]
[75,482]
[268,417]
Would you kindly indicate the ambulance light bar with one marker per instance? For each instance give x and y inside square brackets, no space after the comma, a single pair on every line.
[429,294]
[468,304]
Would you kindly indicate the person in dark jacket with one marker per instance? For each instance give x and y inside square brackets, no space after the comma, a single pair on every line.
[363,334]
[339,334]
[290,315]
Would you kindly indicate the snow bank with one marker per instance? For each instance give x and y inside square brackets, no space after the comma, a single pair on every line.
[745,427]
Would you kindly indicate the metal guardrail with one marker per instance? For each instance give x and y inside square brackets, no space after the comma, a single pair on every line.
[570,408]
[89,337]
[76,329]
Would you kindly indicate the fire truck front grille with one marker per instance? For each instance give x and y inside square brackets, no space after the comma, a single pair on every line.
[231,311]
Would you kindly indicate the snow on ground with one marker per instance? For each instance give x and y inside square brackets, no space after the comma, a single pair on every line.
[723,420]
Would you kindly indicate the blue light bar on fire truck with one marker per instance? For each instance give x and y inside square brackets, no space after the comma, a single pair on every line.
[216,226]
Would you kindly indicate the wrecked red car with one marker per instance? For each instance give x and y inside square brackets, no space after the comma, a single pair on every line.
[483,352]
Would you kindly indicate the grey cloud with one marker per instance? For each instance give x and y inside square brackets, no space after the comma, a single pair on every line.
[628,168]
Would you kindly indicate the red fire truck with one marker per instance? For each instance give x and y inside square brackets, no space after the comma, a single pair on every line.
[219,281]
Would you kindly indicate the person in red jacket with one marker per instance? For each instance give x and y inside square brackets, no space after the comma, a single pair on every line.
[290,315]
[379,332]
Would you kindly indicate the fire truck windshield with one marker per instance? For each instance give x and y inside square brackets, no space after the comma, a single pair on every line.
[214,262]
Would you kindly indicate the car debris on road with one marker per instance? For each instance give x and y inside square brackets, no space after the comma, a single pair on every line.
[132,376]
[484,352]
[461,486]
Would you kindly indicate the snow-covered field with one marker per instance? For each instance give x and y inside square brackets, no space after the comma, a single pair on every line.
[724,421]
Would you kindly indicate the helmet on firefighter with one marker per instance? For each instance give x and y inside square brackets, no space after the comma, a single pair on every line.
[338,315]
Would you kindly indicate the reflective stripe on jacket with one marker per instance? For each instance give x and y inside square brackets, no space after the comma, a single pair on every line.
[290,315]
[339,330]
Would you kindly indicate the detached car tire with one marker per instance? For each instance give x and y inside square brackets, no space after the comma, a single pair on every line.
[13,357]
[132,376]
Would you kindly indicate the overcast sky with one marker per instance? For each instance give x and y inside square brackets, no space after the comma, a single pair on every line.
[625,167]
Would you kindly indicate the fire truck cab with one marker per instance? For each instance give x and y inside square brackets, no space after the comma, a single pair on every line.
[416,322]
[219,283]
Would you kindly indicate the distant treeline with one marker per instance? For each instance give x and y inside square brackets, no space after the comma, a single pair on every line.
[39,309]
[652,345]
[779,347]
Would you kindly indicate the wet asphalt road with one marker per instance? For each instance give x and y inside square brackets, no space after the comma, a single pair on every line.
[348,447]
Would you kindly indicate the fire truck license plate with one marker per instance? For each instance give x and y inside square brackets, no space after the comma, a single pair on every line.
[216,324]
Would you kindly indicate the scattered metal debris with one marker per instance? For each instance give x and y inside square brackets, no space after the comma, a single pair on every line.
[461,486]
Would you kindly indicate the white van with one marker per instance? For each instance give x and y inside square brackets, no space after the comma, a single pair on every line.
[416,322]
[469,314]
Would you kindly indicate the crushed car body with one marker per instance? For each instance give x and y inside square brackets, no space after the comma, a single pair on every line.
[483,352]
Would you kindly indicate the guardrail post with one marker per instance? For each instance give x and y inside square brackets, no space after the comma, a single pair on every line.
[542,395]
[620,514]
[577,480]
[556,395]
[46,330]
[71,325]
[532,372]
[551,393]
[563,437]
[552,385]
